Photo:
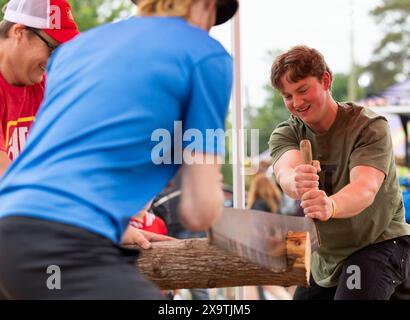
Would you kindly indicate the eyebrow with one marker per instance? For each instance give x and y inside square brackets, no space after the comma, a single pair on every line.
[297,89]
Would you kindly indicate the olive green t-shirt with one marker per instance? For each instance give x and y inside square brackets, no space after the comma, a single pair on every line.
[357,137]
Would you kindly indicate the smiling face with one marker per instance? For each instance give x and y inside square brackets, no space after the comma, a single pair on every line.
[28,55]
[307,98]
[304,79]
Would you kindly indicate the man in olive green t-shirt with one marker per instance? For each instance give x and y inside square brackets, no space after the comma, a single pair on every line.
[351,189]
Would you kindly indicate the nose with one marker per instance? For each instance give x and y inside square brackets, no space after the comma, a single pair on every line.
[297,102]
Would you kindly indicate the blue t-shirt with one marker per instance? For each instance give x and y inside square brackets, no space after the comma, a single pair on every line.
[98,151]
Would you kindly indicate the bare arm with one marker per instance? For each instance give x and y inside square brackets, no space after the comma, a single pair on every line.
[202,196]
[294,177]
[4,162]
[359,194]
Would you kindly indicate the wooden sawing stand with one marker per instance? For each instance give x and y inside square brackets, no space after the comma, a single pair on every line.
[194,263]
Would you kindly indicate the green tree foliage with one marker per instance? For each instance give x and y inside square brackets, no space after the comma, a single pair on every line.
[340,87]
[2,3]
[268,116]
[391,62]
[91,13]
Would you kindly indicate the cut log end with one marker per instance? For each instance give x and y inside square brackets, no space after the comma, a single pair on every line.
[299,252]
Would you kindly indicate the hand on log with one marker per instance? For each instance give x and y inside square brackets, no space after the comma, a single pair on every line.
[141,238]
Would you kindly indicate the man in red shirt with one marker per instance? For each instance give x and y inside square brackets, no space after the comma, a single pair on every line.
[29,33]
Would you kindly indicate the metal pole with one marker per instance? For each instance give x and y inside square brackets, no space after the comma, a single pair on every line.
[352,88]
[237,130]
[237,121]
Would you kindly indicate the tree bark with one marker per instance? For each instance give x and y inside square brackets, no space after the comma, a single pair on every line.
[194,263]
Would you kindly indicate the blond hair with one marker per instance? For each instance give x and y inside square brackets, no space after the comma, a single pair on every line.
[263,187]
[166,8]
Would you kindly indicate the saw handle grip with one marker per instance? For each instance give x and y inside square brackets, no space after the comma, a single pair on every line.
[306,151]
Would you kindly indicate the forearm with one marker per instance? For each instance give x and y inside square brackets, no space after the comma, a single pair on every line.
[286,180]
[202,196]
[352,200]
[294,177]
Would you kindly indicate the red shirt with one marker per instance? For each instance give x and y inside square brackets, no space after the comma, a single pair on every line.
[18,107]
[150,222]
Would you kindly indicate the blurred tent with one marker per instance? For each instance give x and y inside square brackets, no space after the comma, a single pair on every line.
[395,95]
[394,103]
[398,94]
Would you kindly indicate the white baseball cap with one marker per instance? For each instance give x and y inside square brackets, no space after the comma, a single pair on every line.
[52,16]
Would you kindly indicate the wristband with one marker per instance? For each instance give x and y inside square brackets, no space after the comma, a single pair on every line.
[334,208]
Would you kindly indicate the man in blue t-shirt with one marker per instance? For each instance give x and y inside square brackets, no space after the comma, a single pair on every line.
[125,105]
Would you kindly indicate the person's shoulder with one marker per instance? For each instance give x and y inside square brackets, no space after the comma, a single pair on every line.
[292,123]
[102,34]
[359,114]
[188,41]
[198,42]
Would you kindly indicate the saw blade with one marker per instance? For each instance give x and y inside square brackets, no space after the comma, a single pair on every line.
[259,236]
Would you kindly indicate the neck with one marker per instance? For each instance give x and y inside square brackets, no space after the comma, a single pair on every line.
[329,118]
[202,14]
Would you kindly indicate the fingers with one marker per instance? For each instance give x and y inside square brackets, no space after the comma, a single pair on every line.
[308,185]
[306,179]
[313,209]
[151,236]
[306,176]
[317,205]
[306,173]
[306,168]
[316,164]
[141,240]
[316,215]
[313,194]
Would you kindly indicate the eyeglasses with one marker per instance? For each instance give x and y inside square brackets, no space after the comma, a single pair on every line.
[50,46]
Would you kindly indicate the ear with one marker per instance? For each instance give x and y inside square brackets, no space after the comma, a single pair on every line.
[326,80]
[16,31]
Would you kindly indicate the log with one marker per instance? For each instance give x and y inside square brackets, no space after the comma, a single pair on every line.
[195,263]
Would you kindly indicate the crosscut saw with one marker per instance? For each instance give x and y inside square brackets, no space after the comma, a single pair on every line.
[260,237]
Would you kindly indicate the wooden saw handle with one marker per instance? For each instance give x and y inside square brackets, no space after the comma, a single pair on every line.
[306,151]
